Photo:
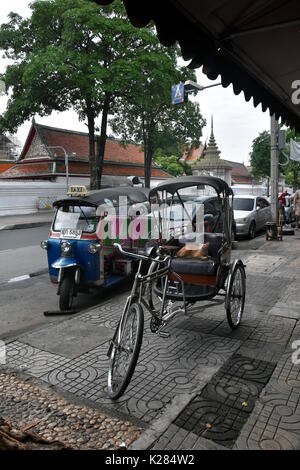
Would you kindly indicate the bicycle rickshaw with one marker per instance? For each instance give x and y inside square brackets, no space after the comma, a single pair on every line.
[172,283]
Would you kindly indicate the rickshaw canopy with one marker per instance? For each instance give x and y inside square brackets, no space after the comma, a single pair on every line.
[172,185]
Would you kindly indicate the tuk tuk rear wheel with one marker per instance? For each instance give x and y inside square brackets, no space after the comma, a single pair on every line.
[66,293]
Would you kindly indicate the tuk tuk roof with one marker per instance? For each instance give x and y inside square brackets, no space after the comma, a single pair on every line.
[98,197]
[172,185]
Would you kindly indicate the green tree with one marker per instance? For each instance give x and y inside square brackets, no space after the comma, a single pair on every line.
[260,155]
[72,54]
[146,113]
[169,163]
[292,170]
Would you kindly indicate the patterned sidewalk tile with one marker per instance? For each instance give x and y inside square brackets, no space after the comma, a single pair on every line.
[265,291]
[32,360]
[275,422]
[242,332]
[248,369]
[274,329]
[260,263]
[213,420]
[261,350]
[69,338]
[288,371]
[233,391]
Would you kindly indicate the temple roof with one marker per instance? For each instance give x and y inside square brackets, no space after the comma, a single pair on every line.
[211,155]
[43,156]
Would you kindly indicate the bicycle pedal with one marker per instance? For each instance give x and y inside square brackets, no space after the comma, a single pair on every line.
[164,334]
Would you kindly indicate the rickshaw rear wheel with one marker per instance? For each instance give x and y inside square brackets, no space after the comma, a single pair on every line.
[235,295]
[66,293]
[124,356]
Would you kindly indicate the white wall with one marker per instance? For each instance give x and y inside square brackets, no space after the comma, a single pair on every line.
[18,197]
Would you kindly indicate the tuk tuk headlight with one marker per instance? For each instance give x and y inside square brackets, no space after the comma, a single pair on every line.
[65,248]
[44,244]
[93,248]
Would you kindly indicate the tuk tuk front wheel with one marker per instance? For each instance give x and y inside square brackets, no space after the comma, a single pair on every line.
[66,293]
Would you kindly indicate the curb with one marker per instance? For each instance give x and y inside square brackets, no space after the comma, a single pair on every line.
[24,277]
[25,225]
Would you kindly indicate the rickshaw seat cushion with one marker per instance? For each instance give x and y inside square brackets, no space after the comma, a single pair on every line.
[214,241]
[194,266]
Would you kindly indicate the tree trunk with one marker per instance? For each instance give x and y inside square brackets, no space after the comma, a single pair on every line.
[148,166]
[102,140]
[295,182]
[91,128]
[148,146]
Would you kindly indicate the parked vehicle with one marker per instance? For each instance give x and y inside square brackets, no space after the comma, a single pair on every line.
[79,247]
[251,213]
[176,281]
[213,214]
[289,210]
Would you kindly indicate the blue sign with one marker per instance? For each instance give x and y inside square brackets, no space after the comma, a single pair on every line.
[178,94]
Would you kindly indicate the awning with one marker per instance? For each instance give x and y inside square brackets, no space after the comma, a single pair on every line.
[251,44]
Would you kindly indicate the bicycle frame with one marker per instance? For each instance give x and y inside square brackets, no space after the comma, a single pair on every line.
[138,289]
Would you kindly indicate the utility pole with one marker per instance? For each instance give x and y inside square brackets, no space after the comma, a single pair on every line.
[274,167]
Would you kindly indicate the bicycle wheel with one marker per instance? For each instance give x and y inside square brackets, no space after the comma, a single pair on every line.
[235,296]
[125,353]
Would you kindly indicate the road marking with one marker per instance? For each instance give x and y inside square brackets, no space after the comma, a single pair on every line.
[19,278]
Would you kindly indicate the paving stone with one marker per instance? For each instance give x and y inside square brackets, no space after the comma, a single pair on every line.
[274,329]
[212,420]
[261,350]
[287,371]
[32,360]
[204,325]
[248,369]
[264,291]
[241,333]
[274,424]
[286,311]
[263,263]
[63,338]
[232,391]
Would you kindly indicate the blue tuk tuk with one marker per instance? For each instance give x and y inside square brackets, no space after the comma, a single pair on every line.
[80,244]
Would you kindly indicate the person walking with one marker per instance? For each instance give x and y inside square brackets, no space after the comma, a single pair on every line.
[281,207]
[297,207]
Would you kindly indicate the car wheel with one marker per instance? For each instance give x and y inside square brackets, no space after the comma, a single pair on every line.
[252,230]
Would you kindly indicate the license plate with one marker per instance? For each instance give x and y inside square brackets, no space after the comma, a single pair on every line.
[70,233]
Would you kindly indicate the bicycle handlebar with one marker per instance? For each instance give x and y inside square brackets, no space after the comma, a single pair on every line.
[140,257]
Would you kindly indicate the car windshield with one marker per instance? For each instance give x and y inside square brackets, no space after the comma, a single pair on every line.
[76,218]
[243,204]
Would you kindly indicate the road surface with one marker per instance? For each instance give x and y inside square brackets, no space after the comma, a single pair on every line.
[22,303]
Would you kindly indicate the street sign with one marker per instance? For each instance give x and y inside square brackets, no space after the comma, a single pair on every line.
[178,94]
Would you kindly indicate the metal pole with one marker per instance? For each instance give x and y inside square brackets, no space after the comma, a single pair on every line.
[67,168]
[274,168]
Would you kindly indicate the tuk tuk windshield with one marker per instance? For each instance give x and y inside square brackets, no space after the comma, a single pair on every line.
[77,218]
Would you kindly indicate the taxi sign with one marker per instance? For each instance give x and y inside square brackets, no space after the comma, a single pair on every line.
[77,191]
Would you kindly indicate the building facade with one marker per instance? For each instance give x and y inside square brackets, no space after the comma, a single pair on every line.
[43,158]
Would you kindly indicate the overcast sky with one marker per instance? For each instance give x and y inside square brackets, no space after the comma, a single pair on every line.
[236,122]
